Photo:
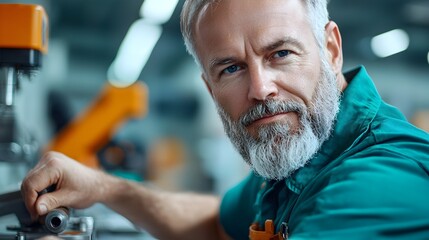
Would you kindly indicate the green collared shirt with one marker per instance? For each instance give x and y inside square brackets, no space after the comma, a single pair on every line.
[368,181]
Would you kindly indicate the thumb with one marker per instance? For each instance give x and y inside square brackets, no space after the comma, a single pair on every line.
[47,202]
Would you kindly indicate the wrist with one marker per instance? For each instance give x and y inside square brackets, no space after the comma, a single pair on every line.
[110,189]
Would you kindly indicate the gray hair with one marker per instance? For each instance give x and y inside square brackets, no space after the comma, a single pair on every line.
[317,14]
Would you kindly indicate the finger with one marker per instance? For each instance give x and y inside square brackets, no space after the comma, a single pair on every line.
[29,198]
[45,174]
[60,198]
[30,189]
[49,201]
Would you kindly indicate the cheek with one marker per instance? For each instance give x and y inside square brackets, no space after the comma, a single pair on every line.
[313,77]
[232,98]
[300,83]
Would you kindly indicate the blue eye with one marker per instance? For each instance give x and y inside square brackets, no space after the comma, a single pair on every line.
[231,69]
[281,54]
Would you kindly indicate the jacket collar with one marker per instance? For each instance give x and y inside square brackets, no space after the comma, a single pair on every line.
[359,105]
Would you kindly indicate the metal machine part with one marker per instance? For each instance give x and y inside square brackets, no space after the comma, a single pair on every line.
[24,37]
[8,78]
[8,82]
[57,222]
[75,228]
[16,145]
[12,203]
[78,228]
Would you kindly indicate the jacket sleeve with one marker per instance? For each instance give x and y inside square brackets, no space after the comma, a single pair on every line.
[379,194]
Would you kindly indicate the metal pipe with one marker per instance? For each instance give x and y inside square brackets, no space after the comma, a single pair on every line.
[8,81]
[56,220]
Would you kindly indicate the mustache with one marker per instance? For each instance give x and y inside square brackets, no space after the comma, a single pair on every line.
[271,107]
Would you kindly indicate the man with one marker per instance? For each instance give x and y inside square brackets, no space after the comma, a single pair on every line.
[330,159]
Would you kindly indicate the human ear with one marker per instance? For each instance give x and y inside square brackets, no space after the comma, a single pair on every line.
[334,46]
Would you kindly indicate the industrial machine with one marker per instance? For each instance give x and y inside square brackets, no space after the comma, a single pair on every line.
[23,40]
[57,222]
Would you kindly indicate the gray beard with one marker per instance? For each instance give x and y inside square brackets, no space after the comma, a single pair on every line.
[278,150]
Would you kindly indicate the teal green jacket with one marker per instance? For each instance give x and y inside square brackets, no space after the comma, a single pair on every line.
[368,181]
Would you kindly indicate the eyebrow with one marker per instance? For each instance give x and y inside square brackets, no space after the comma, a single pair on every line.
[217,62]
[282,42]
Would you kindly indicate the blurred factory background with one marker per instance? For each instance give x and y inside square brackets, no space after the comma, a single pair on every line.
[85,37]
[179,143]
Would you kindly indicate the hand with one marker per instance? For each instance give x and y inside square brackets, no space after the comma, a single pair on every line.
[77,186]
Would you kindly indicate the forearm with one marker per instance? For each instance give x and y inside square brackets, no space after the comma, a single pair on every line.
[165,215]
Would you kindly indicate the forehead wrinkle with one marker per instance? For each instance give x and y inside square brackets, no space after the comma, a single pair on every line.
[253,25]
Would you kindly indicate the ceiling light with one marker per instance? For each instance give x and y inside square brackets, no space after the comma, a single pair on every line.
[390,43]
[158,11]
[133,53]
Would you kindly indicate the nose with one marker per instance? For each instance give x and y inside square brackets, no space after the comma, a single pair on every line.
[262,84]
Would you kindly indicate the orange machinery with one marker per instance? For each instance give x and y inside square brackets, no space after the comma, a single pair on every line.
[23,39]
[23,27]
[89,132]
